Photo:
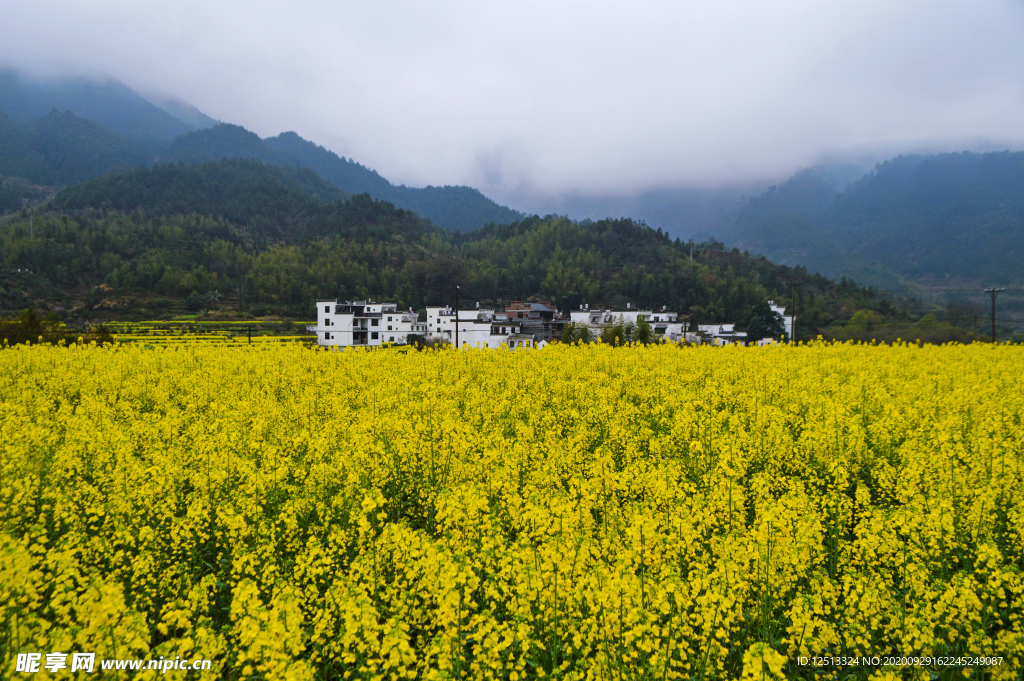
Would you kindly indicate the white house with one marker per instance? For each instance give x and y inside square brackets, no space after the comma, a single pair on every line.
[364,323]
[479,328]
[720,334]
[665,324]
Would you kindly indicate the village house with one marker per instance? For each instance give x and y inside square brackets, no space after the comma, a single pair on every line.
[479,328]
[541,320]
[670,326]
[364,323]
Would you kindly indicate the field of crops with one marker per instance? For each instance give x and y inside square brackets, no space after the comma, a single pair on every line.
[579,513]
[224,333]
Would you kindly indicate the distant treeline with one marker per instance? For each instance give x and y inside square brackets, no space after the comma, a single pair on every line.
[239,236]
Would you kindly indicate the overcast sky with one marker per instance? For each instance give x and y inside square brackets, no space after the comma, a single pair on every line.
[560,96]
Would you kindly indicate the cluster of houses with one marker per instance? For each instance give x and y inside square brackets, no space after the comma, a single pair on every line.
[364,323]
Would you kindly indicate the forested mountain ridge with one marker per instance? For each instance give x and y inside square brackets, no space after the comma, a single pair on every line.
[171,131]
[921,219]
[254,239]
[107,103]
[238,190]
[61,149]
[456,208]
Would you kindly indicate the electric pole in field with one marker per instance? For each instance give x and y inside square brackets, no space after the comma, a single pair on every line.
[994,292]
[792,327]
[456,317]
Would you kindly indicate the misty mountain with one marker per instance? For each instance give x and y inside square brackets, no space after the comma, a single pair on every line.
[457,208]
[248,237]
[353,177]
[922,219]
[186,113]
[683,211]
[107,103]
[61,148]
[239,190]
[221,141]
[171,131]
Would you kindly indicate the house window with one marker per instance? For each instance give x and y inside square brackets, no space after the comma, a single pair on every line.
[327,309]
[373,322]
[389,319]
[327,336]
[389,327]
[391,339]
[373,335]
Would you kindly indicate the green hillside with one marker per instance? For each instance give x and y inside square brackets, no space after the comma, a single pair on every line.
[105,126]
[238,190]
[251,239]
[915,220]
[61,149]
[107,103]
[460,209]
[221,141]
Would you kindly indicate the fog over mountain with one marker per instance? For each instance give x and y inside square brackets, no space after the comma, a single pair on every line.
[543,103]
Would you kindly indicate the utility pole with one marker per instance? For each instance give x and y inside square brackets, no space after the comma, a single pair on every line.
[994,292]
[456,317]
[792,330]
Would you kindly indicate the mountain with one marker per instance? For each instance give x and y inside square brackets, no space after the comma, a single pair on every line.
[17,157]
[456,208]
[686,212]
[253,239]
[107,103]
[460,209]
[167,130]
[74,149]
[238,190]
[919,220]
[62,149]
[186,113]
[349,175]
[221,141]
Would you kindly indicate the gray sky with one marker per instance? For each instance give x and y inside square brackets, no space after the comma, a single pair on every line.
[548,97]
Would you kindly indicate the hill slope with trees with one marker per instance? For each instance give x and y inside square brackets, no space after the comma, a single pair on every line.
[130,129]
[927,220]
[457,208]
[256,239]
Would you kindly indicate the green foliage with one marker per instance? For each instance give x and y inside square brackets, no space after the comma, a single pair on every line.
[765,323]
[195,302]
[577,333]
[29,327]
[621,333]
[241,191]
[644,334]
[62,149]
[457,208]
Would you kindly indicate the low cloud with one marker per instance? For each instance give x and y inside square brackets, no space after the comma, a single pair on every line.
[545,97]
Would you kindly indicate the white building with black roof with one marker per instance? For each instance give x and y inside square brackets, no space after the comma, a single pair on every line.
[364,323]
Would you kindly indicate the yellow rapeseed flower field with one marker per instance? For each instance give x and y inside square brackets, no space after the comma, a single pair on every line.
[573,512]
